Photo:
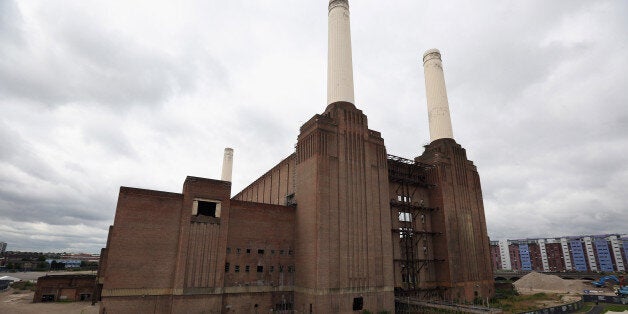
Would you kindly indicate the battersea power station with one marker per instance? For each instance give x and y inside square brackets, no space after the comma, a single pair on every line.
[339,226]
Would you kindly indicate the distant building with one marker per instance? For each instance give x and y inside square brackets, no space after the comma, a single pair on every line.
[597,253]
[3,247]
[69,263]
[65,288]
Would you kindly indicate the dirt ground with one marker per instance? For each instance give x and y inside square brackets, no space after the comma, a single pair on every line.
[21,302]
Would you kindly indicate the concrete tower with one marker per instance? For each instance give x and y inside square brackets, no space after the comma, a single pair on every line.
[227,165]
[437,104]
[339,65]
[342,224]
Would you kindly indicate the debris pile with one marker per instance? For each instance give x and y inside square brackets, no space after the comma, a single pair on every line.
[537,282]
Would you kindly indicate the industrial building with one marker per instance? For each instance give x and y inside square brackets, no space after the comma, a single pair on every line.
[338,226]
[587,253]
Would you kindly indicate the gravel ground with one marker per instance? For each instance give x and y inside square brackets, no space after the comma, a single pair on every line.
[33,275]
[21,302]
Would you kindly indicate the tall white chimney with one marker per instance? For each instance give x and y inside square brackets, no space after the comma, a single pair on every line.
[437,104]
[339,62]
[227,165]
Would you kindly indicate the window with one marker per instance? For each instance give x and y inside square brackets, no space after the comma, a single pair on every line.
[282,252]
[260,251]
[237,268]
[206,208]
[290,252]
[228,250]
[281,268]
[247,268]
[358,303]
[226,267]
[272,269]
[238,250]
[260,269]
[405,217]
[248,251]
[272,252]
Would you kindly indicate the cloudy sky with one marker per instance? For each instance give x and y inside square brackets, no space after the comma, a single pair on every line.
[95,95]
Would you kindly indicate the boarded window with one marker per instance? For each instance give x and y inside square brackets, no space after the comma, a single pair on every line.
[260,269]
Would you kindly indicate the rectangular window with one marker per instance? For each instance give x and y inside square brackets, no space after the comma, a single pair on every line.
[290,252]
[358,303]
[405,217]
[237,268]
[281,268]
[207,208]
[228,250]
[260,269]
[247,268]
[226,267]
[248,251]
[272,269]
[282,252]
[260,251]
[238,250]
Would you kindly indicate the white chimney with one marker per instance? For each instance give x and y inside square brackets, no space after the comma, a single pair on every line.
[227,165]
[437,104]
[339,63]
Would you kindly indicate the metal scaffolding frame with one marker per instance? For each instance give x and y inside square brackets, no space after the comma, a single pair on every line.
[410,176]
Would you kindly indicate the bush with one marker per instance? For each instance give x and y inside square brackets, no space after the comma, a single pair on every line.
[23,285]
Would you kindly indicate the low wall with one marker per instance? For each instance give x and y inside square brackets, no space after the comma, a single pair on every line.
[565,308]
[605,298]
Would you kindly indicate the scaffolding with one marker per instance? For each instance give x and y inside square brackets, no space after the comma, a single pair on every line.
[409,176]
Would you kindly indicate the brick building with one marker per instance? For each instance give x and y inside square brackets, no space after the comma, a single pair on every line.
[336,227]
[64,288]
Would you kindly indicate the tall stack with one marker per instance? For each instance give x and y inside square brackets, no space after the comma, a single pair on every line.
[437,104]
[342,226]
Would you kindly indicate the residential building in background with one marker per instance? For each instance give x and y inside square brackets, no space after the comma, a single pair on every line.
[595,253]
[3,247]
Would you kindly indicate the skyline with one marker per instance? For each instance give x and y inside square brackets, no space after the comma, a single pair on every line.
[100,95]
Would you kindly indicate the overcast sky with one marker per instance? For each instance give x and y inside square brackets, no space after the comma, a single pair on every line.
[95,95]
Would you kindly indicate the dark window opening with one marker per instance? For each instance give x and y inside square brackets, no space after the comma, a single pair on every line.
[282,252]
[237,268]
[85,296]
[260,269]
[358,303]
[247,269]
[280,268]
[272,269]
[227,267]
[290,252]
[206,209]
[248,251]
[48,298]
[228,250]
[260,251]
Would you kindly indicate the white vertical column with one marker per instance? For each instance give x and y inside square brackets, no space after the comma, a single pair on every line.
[543,250]
[566,256]
[227,165]
[619,261]
[504,253]
[590,256]
[339,61]
[437,103]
